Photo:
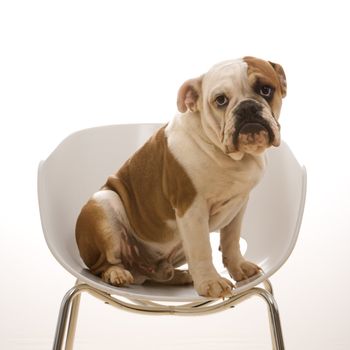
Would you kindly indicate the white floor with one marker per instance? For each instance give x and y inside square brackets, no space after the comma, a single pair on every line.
[69,65]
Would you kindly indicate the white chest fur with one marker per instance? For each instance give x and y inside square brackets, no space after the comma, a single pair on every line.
[222,182]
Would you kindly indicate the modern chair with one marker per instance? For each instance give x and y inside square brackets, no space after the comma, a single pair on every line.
[81,164]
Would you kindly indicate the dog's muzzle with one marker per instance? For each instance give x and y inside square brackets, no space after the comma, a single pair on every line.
[249,121]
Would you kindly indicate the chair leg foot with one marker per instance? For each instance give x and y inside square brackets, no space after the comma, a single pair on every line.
[69,307]
[274,318]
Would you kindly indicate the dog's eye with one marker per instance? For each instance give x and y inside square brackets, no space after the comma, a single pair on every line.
[221,101]
[266,91]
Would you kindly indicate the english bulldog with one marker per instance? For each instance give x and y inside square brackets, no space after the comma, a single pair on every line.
[192,177]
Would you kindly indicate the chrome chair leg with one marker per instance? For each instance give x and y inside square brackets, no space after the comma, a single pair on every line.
[66,310]
[274,318]
[268,286]
[72,323]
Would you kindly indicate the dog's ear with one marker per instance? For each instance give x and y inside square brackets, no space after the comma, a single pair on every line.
[281,76]
[188,95]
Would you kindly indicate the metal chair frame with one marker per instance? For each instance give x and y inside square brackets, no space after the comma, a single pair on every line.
[68,315]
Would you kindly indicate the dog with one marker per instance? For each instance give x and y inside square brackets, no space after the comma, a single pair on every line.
[192,177]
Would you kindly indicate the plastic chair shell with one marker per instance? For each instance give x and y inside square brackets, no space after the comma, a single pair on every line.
[81,164]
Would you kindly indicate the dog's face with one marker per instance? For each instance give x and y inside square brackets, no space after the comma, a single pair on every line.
[239,103]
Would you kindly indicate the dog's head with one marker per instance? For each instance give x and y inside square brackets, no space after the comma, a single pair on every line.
[239,104]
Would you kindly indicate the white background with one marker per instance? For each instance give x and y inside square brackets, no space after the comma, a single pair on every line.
[68,65]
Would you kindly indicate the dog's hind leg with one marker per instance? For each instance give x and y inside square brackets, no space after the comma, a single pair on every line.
[100,230]
[114,271]
[117,276]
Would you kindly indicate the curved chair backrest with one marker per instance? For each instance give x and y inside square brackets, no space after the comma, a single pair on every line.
[81,164]
[275,209]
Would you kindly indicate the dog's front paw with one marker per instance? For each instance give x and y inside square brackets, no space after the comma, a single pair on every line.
[217,287]
[117,276]
[243,270]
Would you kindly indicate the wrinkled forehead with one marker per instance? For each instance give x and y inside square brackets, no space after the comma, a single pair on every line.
[225,76]
[240,74]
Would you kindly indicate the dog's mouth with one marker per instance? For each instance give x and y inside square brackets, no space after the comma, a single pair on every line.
[252,132]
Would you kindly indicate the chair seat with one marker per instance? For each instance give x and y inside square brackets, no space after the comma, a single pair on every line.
[159,292]
[148,291]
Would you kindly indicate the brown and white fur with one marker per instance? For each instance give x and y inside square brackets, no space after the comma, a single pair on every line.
[192,177]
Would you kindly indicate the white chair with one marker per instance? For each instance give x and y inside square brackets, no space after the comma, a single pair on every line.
[81,164]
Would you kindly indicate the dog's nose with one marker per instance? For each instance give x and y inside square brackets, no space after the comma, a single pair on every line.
[248,108]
